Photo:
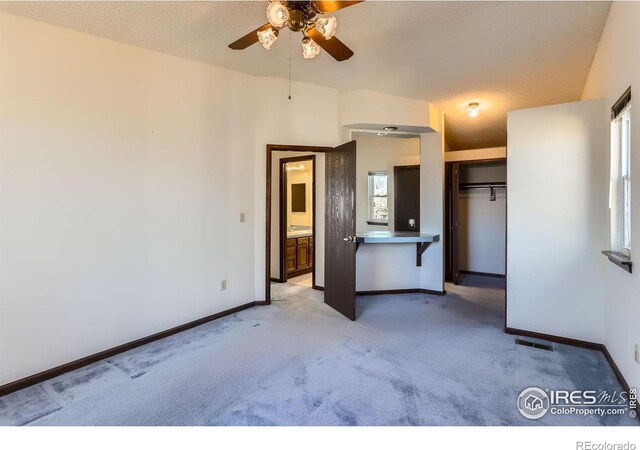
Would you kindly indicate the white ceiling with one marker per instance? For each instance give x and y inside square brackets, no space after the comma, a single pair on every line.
[504,55]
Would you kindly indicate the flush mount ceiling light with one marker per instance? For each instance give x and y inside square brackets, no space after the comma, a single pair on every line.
[473,109]
[306,17]
[390,128]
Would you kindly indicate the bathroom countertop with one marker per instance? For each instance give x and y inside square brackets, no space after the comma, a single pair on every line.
[394,237]
[299,233]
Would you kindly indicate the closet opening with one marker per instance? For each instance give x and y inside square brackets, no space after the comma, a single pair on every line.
[475,219]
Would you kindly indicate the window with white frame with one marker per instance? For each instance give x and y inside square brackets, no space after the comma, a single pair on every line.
[378,206]
[620,186]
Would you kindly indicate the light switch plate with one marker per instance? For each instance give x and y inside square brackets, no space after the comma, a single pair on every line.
[241,217]
[223,285]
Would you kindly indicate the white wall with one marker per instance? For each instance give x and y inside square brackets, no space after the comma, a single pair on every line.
[373,110]
[123,173]
[432,147]
[472,155]
[615,68]
[482,231]
[381,267]
[556,225]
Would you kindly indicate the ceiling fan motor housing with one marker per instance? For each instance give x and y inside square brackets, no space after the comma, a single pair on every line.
[300,14]
[308,8]
[297,20]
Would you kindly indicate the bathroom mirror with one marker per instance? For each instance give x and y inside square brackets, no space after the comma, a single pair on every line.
[298,197]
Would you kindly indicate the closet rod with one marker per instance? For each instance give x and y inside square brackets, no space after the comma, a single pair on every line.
[482,185]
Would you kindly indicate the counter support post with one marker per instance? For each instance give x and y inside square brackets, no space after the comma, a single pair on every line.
[420,248]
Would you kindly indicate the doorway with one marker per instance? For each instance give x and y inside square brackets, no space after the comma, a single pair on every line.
[297,205]
[275,257]
[475,219]
[332,245]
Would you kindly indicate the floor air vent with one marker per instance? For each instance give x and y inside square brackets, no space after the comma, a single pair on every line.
[534,345]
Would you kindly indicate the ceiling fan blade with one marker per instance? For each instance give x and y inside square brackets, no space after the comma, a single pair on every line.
[333,46]
[331,6]
[248,39]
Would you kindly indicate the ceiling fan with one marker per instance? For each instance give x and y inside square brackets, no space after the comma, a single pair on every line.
[304,16]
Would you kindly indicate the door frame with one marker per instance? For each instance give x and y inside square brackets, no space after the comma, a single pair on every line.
[283,215]
[268,163]
[396,170]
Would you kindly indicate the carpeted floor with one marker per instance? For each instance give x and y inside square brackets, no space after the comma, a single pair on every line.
[411,359]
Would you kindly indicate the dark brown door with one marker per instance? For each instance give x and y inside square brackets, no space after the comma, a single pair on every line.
[406,198]
[340,230]
[455,229]
[448,269]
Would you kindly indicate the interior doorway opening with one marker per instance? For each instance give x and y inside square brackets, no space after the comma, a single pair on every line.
[297,220]
[294,233]
[475,233]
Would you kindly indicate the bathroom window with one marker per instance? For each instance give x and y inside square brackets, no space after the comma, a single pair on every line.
[378,205]
[620,181]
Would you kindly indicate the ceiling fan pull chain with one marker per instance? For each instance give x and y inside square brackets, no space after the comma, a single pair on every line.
[289,65]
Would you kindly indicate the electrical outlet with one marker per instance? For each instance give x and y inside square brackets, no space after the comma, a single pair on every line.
[223,286]
[637,353]
[241,217]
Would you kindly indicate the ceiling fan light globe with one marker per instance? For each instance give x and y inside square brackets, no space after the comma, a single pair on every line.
[277,14]
[267,37]
[309,48]
[327,26]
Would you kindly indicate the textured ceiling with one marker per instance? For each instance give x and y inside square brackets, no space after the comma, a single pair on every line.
[504,55]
